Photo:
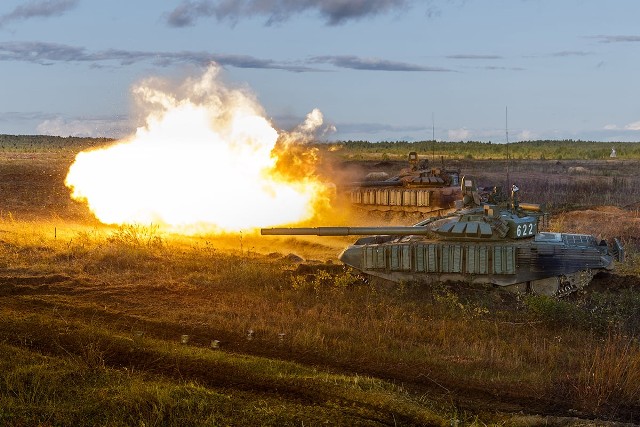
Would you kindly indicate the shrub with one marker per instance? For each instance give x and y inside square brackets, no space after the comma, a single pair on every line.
[554,312]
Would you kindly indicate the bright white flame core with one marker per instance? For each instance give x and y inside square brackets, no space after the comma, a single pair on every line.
[197,166]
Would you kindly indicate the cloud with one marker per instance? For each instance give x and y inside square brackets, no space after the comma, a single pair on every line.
[60,125]
[334,12]
[189,11]
[113,127]
[459,134]
[616,39]
[471,56]
[45,53]
[374,128]
[481,57]
[380,132]
[372,64]
[41,52]
[566,53]
[494,67]
[526,135]
[633,126]
[614,134]
[18,116]
[38,9]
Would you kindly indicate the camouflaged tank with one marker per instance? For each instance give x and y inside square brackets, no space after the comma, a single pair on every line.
[416,188]
[479,243]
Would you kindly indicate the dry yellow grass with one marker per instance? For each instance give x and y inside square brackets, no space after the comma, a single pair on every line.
[113,302]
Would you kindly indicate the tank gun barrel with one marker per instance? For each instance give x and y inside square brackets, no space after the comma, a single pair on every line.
[345,231]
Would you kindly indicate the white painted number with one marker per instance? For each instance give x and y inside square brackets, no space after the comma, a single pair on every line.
[523,230]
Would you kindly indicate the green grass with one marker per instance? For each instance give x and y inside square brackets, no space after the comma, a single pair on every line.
[76,374]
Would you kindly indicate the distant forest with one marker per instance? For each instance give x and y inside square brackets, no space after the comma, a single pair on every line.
[46,143]
[524,150]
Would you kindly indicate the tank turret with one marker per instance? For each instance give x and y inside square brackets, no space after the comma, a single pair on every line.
[478,243]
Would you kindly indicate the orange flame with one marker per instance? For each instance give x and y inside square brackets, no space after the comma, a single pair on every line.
[204,162]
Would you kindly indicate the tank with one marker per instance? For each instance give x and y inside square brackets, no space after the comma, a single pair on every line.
[417,188]
[481,243]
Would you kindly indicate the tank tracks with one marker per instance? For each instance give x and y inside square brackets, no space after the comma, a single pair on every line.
[557,286]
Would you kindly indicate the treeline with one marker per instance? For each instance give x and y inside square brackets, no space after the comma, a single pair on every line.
[540,150]
[567,149]
[37,143]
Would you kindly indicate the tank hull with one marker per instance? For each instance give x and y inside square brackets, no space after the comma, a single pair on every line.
[550,263]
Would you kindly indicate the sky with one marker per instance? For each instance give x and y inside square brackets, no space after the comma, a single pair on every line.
[378,70]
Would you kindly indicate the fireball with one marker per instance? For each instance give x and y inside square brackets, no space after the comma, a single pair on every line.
[203,162]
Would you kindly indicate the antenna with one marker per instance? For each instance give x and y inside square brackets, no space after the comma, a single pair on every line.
[433,136]
[506,125]
[433,127]
[506,131]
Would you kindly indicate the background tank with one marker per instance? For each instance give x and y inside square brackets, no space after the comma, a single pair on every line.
[478,243]
[417,188]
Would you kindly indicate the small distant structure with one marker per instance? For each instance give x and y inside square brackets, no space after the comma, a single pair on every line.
[613,153]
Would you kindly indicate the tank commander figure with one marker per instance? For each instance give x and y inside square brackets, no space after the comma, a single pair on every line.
[514,196]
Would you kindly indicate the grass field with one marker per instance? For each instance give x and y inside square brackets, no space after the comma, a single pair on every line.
[104,325]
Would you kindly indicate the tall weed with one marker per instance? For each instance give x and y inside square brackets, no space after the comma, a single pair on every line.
[609,375]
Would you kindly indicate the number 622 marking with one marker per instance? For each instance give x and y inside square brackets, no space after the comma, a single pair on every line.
[523,230]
